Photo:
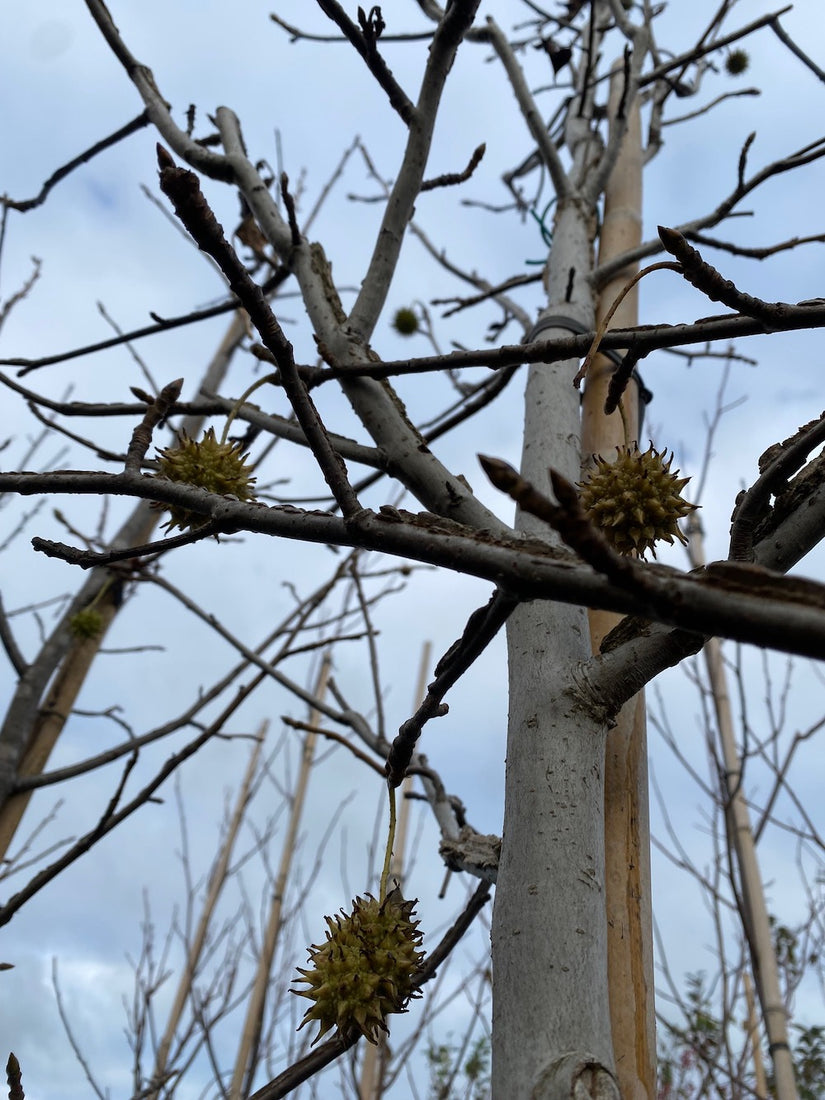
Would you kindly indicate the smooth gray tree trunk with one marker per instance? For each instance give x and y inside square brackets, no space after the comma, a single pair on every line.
[551,1019]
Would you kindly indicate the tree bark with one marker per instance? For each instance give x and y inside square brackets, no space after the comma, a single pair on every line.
[550,1012]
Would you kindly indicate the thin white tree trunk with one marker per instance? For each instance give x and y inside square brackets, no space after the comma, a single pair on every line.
[551,1020]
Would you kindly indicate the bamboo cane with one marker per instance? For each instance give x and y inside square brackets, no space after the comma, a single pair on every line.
[57,705]
[627,830]
[246,1059]
[752,1027]
[741,839]
[216,884]
[372,1067]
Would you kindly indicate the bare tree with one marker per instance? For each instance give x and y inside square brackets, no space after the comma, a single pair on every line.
[562,983]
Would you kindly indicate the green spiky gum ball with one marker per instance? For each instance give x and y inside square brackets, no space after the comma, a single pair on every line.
[87,623]
[365,969]
[737,62]
[405,322]
[210,464]
[636,500]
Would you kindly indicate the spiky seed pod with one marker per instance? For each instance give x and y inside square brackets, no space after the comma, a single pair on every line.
[218,467]
[636,500]
[737,62]
[405,322]
[365,968]
[87,623]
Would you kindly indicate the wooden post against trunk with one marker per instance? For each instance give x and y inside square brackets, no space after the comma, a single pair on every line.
[627,828]
[371,1085]
[247,1057]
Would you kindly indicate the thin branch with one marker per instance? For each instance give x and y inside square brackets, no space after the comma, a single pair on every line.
[67,1027]
[482,626]
[339,738]
[374,288]
[182,187]
[83,158]
[215,165]
[754,253]
[776,466]
[709,106]
[642,340]
[450,179]
[783,36]
[529,109]
[682,60]
[112,817]
[365,42]
[297,34]
[807,155]
[748,604]
[9,642]
[142,436]
[713,284]
[293,623]
[160,325]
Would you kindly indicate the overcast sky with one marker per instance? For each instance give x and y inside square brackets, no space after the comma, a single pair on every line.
[102,240]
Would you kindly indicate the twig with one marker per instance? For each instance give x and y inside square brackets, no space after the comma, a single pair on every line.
[111,818]
[806,155]
[160,325]
[289,203]
[482,626]
[456,21]
[364,40]
[709,106]
[67,1027]
[782,35]
[532,115]
[684,59]
[776,467]
[294,622]
[705,277]
[754,253]
[142,435]
[83,158]
[90,559]
[449,179]
[297,34]
[13,1078]
[331,735]
[24,291]
[9,642]
[375,673]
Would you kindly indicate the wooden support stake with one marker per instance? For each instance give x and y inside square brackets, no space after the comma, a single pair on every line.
[627,825]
